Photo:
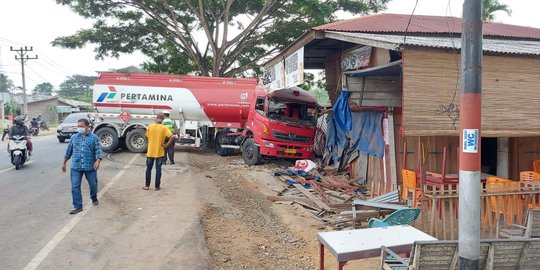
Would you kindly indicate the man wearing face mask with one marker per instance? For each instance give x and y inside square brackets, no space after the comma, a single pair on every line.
[155,135]
[86,152]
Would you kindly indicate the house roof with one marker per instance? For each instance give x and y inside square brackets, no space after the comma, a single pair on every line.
[394,42]
[74,103]
[420,24]
[29,98]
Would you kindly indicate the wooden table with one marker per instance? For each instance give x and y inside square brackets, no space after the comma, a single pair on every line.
[366,243]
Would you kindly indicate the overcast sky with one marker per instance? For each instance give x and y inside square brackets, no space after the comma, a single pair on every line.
[37,22]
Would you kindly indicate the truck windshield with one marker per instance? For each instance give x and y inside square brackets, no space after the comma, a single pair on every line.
[292,112]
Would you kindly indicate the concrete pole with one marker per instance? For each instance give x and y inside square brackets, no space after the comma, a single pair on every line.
[470,124]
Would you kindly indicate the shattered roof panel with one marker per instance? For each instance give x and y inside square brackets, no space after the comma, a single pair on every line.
[521,47]
[420,24]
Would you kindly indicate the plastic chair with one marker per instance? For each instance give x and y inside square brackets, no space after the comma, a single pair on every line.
[536,165]
[398,217]
[410,186]
[497,204]
[529,176]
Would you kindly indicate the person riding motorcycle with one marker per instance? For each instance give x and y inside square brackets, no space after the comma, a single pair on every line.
[34,123]
[19,129]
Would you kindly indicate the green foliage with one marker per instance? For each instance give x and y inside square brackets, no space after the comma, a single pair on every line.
[184,36]
[316,87]
[492,6]
[11,107]
[52,111]
[130,69]
[77,87]
[43,89]
[6,85]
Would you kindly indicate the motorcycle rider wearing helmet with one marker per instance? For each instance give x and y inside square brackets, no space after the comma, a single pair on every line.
[19,129]
[34,123]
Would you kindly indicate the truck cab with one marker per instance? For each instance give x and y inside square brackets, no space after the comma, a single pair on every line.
[282,124]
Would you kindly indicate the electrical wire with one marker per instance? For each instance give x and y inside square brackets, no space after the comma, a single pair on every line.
[409,23]
[452,109]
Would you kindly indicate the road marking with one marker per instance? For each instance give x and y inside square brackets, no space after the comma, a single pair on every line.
[44,252]
[11,168]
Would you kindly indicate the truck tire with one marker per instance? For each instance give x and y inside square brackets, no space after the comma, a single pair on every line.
[221,138]
[136,141]
[62,140]
[108,139]
[251,153]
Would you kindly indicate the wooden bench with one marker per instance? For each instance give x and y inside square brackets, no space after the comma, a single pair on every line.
[494,254]
[531,229]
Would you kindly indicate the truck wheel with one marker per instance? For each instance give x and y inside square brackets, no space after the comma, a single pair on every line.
[108,139]
[251,153]
[136,141]
[221,138]
[62,140]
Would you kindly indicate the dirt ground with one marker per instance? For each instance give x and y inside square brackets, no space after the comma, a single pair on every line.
[244,230]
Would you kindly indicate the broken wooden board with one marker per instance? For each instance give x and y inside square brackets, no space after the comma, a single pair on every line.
[310,196]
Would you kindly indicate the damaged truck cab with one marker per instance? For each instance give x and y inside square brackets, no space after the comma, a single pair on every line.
[281,123]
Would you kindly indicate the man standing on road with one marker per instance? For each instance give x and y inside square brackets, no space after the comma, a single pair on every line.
[86,151]
[156,134]
[171,125]
[6,124]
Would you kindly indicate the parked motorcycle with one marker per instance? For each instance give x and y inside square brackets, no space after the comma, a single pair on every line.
[18,151]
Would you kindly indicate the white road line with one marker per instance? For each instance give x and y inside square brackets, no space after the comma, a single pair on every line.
[11,168]
[44,252]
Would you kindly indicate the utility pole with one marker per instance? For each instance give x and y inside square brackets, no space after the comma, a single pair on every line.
[470,125]
[22,57]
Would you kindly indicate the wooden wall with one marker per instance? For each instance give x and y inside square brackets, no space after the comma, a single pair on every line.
[510,87]
[375,91]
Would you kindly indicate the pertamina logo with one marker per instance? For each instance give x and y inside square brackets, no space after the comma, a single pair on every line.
[107,95]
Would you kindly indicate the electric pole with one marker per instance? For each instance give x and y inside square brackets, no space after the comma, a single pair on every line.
[22,58]
[470,135]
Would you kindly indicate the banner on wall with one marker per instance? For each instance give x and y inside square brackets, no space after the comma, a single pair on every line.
[356,59]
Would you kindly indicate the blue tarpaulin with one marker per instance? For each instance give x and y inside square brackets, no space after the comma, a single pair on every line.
[342,112]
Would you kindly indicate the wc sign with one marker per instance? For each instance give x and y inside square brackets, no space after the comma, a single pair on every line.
[470,140]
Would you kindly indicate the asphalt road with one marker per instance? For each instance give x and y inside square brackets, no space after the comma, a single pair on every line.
[130,229]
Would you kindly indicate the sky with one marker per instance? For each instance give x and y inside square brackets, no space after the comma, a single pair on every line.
[37,23]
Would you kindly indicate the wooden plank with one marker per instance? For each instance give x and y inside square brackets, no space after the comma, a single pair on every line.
[524,254]
[314,199]
[307,205]
[490,257]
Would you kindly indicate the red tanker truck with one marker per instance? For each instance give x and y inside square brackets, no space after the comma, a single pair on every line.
[226,113]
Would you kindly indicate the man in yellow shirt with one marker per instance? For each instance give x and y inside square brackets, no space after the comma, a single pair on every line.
[155,135]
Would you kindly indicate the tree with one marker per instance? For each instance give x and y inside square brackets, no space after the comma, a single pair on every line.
[78,87]
[6,85]
[492,6]
[212,37]
[43,89]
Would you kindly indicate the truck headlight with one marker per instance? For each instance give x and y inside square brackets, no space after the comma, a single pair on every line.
[269,144]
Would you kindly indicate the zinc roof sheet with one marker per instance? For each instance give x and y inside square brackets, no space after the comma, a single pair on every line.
[502,46]
[397,23]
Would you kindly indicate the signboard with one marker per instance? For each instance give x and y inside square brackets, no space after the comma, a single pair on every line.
[294,68]
[274,76]
[355,59]
[470,140]
[125,116]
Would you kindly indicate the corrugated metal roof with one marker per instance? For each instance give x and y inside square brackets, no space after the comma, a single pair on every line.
[397,23]
[504,46]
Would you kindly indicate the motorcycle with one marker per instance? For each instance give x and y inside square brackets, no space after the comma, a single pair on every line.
[43,125]
[34,131]
[18,151]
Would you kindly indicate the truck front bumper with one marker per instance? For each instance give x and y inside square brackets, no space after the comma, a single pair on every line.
[286,149]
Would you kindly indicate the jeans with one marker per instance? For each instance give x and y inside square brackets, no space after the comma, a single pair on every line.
[169,152]
[4,133]
[149,165]
[76,178]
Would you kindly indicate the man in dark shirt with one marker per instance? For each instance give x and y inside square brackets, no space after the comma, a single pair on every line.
[19,129]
